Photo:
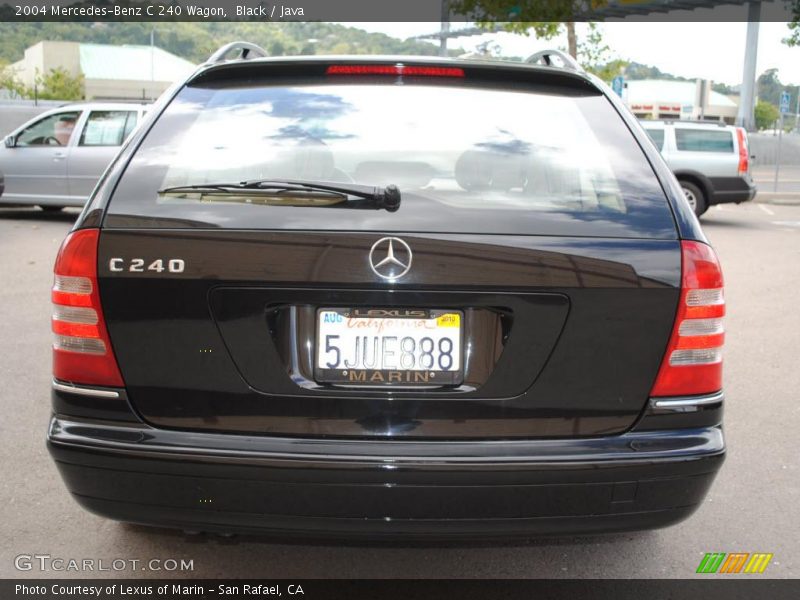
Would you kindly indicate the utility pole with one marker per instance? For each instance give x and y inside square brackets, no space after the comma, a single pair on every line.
[778,157]
[786,98]
[445,29]
[745,116]
[797,112]
[152,56]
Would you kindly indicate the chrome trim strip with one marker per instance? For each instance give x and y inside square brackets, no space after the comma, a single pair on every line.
[84,391]
[683,402]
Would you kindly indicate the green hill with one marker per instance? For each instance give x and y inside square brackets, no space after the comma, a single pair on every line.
[196,41]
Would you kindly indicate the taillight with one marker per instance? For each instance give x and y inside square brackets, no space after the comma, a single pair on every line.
[82,349]
[744,152]
[398,69]
[692,364]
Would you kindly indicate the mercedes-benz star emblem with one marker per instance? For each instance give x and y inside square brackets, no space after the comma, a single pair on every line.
[390,258]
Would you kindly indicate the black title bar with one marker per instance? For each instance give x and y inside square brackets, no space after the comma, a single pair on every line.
[740,588]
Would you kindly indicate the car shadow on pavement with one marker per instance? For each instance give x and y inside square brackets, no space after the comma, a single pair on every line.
[37,214]
[213,555]
[208,538]
[723,223]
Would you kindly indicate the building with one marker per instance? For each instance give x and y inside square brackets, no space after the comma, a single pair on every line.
[126,72]
[665,99]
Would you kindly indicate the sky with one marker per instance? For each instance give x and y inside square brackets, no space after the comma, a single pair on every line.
[707,50]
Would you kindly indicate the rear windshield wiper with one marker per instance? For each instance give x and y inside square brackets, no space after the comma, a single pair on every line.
[294,192]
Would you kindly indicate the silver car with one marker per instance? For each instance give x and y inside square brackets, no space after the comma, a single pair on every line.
[55,159]
[710,160]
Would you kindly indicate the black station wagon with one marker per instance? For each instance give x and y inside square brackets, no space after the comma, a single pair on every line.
[388,297]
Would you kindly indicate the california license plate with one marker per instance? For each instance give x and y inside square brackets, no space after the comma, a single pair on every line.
[389,347]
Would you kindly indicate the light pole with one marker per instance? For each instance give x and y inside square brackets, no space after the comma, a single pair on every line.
[152,57]
[745,116]
[445,28]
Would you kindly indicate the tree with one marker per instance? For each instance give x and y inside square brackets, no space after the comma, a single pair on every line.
[769,88]
[609,70]
[57,84]
[542,17]
[595,56]
[520,16]
[794,34]
[794,26]
[572,39]
[195,41]
[593,50]
[277,48]
[545,18]
[9,81]
[489,50]
[766,114]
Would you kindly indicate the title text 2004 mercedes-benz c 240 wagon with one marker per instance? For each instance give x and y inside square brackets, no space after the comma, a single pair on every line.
[387,297]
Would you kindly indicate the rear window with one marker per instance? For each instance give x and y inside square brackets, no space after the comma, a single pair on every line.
[657,135]
[701,140]
[107,127]
[466,159]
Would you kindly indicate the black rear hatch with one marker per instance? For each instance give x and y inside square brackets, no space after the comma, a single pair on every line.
[530,217]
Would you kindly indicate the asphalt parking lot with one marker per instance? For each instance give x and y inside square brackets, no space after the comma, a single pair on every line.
[754,506]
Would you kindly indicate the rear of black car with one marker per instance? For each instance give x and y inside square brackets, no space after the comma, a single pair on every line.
[530,343]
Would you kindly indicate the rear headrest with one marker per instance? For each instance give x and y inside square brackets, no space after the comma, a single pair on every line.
[483,169]
[306,158]
[401,173]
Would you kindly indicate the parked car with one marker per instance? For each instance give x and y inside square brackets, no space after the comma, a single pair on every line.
[55,159]
[401,297]
[710,160]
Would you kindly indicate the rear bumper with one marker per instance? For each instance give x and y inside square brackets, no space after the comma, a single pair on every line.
[385,489]
[732,189]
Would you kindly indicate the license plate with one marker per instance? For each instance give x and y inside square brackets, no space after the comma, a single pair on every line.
[389,347]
